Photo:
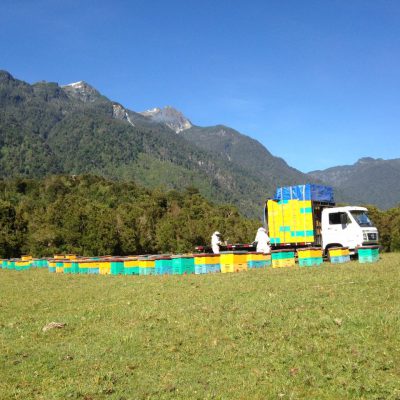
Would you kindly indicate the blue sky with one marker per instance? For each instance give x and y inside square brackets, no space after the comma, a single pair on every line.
[316,82]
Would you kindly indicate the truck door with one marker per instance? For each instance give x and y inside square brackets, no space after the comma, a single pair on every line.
[337,229]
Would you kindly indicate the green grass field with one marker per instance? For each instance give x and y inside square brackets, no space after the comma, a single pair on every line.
[330,332]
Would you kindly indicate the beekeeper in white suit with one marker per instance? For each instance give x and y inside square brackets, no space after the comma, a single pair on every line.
[216,242]
[262,240]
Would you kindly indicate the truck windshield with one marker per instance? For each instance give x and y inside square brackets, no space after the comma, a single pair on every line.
[362,218]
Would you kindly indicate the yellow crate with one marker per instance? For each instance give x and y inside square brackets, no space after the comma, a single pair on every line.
[22,263]
[233,258]
[255,257]
[131,263]
[147,263]
[309,253]
[284,262]
[206,259]
[104,267]
[339,251]
[225,268]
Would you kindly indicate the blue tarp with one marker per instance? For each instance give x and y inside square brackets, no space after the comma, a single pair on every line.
[305,192]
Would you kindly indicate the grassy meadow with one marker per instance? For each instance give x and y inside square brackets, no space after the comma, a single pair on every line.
[330,332]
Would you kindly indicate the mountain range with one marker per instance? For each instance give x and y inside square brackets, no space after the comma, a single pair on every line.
[49,129]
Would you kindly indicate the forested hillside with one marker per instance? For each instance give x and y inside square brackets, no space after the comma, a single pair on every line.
[47,129]
[368,181]
[88,215]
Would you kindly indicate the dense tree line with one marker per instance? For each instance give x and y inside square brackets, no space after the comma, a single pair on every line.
[388,224]
[89,215]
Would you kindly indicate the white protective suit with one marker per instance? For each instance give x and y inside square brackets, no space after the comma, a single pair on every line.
[262,240]
[216,242]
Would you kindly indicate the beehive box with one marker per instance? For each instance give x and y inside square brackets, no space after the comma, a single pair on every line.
[22,265]
[117,266]
[105,267]
[67,266]
[40,263]
[94,266]
[233,261]
[84,266]
[283,258]
[75,267]
[52,265]
[339,255]
[59,266]
[146,266]
[368,254]
[206,263]
[131,266]
[258,260]
[310,256]
[182,265]
[163,265]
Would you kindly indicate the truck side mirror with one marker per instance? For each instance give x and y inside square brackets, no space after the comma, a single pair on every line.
[343,219]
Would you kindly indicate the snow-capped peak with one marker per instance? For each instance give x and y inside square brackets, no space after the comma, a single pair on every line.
[83,91]
[169,116]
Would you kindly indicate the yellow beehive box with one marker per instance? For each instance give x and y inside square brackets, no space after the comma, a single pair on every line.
[71,256]
[283,263]
[233,258]
[60,269]
[255,256]
[201,259]
[148,263]
[309,253]
[339,251]
[26,258]
[225,268]
[104,267]
[59,256]
[131,263]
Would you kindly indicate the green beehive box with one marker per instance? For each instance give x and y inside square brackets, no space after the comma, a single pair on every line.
[281,255]
[182,265]
[117,267]
[74,267]
[368,254]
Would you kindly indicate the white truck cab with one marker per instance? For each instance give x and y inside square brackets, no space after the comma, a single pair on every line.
[347,227]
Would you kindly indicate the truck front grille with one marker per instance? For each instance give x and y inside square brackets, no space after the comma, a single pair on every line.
[372,236]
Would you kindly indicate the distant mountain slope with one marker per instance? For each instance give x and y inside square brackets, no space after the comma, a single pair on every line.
[47,129]
[238,149]
[368,181]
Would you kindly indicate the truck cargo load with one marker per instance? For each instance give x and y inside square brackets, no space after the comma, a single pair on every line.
[305,192]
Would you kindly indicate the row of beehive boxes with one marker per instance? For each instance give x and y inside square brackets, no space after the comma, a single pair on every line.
[189,264]
[162,265]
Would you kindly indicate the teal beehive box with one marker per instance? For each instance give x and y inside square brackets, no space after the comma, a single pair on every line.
[368,254]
